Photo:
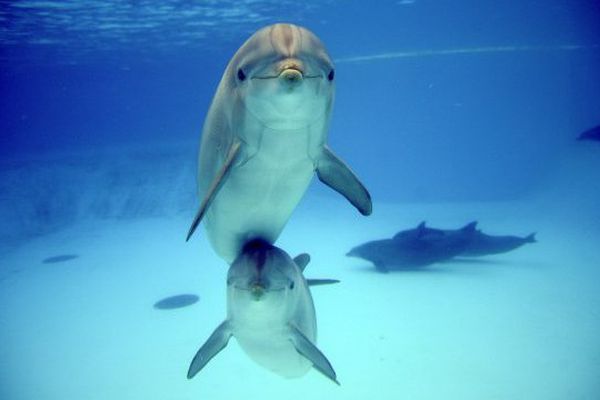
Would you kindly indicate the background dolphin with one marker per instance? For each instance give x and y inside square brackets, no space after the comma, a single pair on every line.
[590,134]
[482,244]
[264,137]
[415,247]
[270,312]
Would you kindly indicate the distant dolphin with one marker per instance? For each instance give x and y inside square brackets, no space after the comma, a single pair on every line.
[416,247]
[264,137]
[590,134]
[270,312]
[482,244]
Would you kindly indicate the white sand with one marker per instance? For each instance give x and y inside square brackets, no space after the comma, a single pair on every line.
[523,325]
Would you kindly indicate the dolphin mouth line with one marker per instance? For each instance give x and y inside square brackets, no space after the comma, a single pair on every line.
[247,289]
[278,76]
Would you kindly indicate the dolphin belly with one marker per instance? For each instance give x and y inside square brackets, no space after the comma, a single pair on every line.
[274,352]
[257,201]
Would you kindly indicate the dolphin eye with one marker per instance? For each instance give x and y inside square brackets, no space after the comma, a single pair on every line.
[331,75]
[241,75]
[291,285]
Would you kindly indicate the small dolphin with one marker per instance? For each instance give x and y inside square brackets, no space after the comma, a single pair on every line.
[264,137]
[482,244]
[416,247]
[270,312]
[590,134]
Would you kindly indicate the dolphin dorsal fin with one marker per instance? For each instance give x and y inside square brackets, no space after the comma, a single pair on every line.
[470,227]
[418,230]
[302,260]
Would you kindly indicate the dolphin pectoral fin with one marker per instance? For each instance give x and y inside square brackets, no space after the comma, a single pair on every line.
[215,343]
[337,175]
[309,351]
[216,184]
[302,260]
[318,282]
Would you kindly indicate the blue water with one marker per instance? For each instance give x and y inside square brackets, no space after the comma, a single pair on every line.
[448,111]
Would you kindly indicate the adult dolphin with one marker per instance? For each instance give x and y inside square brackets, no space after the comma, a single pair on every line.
[264,137]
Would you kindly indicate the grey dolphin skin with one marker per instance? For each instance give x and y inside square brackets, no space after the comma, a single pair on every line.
[264,137]
[416,247]
[423,245]
[483,245]
[270,312]
[590,134]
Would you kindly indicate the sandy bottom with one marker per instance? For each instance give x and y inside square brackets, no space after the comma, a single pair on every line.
[523,325]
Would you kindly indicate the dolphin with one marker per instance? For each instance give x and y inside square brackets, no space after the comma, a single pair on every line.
[482,244]
[416,247]
[270,312]
[265,135]
[590,134]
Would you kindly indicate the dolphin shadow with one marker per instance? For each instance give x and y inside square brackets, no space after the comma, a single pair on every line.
[60,258]
[175,302]
[474,261]
[504,263]
[426,269]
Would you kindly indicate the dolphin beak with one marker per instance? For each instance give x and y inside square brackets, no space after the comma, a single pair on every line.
[257,290]
[291,76]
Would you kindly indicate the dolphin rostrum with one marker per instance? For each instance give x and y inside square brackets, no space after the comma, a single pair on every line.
[264,137]
[270,312]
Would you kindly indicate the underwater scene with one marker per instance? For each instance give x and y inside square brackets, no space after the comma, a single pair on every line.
[335,199]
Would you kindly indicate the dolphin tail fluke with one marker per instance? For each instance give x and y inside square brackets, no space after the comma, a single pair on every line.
[302,260]
[530,238]
[215,343]
[337,175]
[309,351]
[216,184]
[319,282]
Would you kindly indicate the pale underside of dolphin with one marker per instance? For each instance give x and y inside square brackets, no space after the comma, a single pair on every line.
[264,137]
[270,312]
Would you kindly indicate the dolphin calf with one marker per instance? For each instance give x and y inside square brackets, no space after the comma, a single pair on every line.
[270,312]
[265,135]
[590,134]
[416,247]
